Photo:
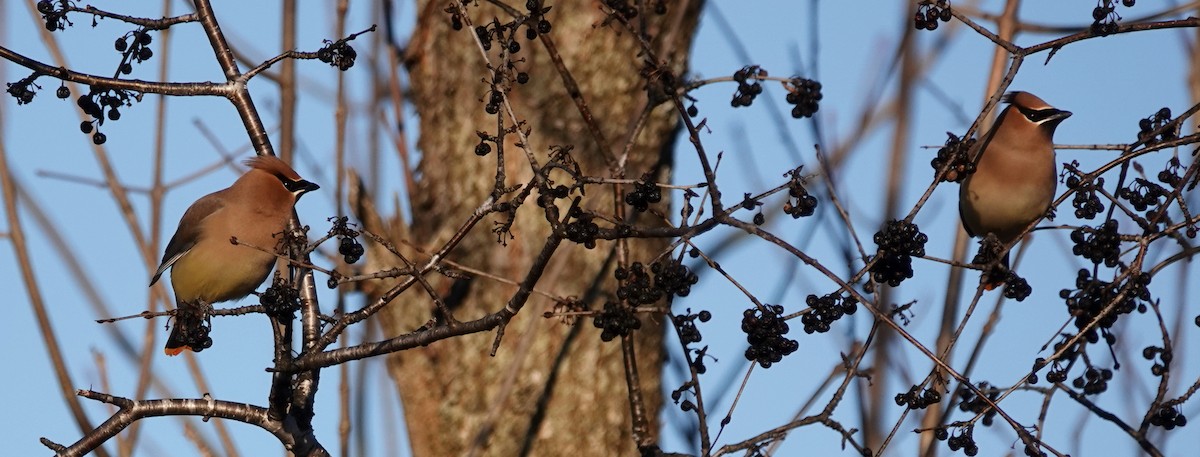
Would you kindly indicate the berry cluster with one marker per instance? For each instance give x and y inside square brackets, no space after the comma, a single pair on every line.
[1098,244]
[961,439]
[636,287]
[672,277]
[976,404]
[350,249]
[133,46]
[1058,370]
[55,14]
[338,54]
[280,300]
[804,94]
[348,245]
[505,34]
[1170,173]
[1105,17]
[194,326]
[1143,194]
[676,394]
[488,33]
[102,103]
[914,400]
[800,203]
[495,99]
[1168,417]
[1093,381]
[21,90]
[686,323]
[1091,296]
[1087,204]
[1147,127]
[536,20]
[750,204]
[954,155]
[582,229]
[1060,367]
[1164,356]
[623,8]
[1171,177]
[547,195]
[748,86]
[929,13]
[616,320]
[645,193]
[825,310]
[1016,287]
[898,243]
[765,330]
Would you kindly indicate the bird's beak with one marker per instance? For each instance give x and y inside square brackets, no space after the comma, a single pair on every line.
[307,186]
[303,187]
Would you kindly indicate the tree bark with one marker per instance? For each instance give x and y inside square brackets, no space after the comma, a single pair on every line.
[551,389]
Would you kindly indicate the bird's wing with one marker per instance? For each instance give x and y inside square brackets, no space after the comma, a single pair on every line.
[977,155]
[189,231]
[961,217]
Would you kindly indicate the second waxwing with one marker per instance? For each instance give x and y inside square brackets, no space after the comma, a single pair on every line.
[1015,177]
[206,267]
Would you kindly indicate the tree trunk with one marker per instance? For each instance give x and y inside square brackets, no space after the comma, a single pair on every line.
[551,389]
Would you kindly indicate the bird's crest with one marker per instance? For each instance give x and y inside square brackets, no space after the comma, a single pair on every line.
[274,166]
[1025,100]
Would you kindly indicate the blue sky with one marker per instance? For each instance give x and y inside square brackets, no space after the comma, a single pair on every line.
[1108,83]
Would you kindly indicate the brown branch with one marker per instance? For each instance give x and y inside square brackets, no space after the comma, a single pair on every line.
[207,407]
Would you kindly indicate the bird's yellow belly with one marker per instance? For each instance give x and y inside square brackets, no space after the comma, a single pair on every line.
[1009,212]
[218,278]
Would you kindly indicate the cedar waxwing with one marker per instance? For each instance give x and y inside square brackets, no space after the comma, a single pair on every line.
[206,267]
[1015,177]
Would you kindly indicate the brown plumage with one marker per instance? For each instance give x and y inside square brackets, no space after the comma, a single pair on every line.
[1015,176]
[206,267]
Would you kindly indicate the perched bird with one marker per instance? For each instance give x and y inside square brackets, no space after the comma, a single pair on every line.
[206,266]
[1015,177]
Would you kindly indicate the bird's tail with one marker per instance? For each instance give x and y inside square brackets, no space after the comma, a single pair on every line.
[996,276]
[175,344]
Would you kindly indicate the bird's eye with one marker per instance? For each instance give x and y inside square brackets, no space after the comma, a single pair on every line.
[1038,115]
